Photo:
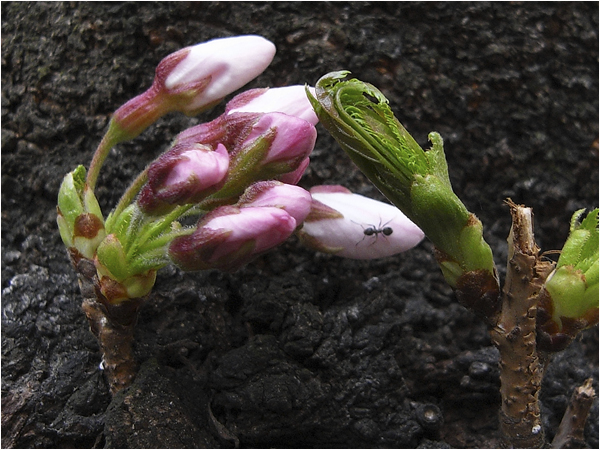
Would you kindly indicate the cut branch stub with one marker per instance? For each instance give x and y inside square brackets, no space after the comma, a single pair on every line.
[521,369]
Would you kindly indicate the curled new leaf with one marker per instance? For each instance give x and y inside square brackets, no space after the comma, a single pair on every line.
[359,117]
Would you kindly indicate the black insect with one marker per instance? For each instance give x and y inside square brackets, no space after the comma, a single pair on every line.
[370,231]
[373,230]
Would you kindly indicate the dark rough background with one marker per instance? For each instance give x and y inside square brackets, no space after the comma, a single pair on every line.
[298,349]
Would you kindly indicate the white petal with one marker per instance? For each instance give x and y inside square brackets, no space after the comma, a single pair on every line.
[290,100]
[232,62]
[363,214]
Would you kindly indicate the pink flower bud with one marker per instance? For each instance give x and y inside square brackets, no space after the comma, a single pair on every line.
[357,227]
[185,174]
[292,199]
[290,100]
[229,237]
[192,80]
[229,63]
[292,139]
[295,176]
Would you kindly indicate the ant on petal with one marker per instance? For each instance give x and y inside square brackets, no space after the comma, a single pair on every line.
[372,230]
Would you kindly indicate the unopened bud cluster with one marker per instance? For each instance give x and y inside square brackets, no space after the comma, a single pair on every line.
[236,174]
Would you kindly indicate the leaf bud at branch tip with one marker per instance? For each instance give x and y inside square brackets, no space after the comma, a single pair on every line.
[358,116]
[569,298]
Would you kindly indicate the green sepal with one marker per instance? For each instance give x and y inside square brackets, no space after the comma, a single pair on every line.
[120,225]
[79,217]
[245,168]
[111,255]
[70,195]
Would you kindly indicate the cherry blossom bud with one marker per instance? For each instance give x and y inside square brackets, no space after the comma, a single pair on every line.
[293,138]
[292,199]
[185,174]
[194,79]
[294,177]
[290,100]
[229,237]
[229,62]
[357,227]
[273,144]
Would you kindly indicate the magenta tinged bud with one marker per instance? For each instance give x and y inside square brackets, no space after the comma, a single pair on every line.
[290,100]
[185,174]
[295,176]
[357,227]
[292,199]
[293,139]
[229,237]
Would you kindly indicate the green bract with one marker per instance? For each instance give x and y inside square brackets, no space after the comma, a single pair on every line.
[416,181]
[79,219]
[573,287]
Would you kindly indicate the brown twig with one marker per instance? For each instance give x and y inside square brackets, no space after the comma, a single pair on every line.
[570,430]
[113,326]
[514,334]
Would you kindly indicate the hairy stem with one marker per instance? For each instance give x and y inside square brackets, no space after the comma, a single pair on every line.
[108,142]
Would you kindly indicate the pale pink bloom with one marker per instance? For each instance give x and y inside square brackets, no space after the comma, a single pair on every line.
[229,62]
[357,227]
[290,100]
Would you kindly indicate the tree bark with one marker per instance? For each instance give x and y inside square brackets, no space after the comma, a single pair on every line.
[521,369]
